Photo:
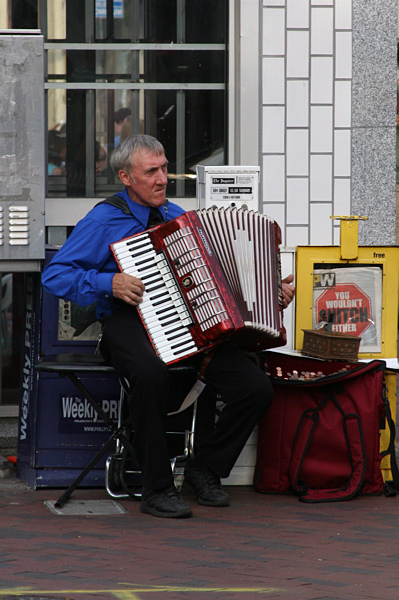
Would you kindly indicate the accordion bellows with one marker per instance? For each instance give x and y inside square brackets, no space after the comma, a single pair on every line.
[210,275]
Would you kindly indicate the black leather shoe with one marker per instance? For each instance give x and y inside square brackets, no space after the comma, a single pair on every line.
[206,484]
[165,503]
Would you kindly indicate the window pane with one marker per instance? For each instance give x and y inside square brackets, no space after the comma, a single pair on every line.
[162,21]
[56,20]
[189,123]
[176,93]
[144,66]
[185,21]
[12,308]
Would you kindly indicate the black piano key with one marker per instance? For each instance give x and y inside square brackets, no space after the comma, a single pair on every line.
[175,337]
[143,262]
[183,350]
[144,277]
[149,287]
[176,346]
[168,317]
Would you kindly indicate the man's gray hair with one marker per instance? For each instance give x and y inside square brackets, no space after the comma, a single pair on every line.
[122,158]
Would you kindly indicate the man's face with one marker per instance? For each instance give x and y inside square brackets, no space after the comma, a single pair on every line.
[148,179]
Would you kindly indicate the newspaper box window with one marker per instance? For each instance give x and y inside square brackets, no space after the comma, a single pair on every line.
[355,289]
[351,300]
[77,322]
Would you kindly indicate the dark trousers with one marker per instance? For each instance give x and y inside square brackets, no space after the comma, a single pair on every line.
[242,385]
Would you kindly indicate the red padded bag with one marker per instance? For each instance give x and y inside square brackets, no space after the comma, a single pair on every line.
[320,437]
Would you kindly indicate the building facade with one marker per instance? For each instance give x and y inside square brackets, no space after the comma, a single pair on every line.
[306,89]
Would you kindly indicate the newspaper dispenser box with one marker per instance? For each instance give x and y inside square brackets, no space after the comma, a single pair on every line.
[58,431]
[355,288]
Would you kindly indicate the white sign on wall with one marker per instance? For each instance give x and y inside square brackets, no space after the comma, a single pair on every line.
[228,186]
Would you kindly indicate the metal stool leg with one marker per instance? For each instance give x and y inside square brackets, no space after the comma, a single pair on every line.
[115,469]
[116,472]
[115,466]
[178,463]
[118,434]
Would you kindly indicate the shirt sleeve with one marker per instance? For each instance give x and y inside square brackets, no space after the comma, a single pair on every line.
[74,273]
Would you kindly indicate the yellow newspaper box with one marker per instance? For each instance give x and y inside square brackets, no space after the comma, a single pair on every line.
[354,290]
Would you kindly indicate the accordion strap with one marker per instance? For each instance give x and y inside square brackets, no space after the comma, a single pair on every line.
[205,364]
[118,202]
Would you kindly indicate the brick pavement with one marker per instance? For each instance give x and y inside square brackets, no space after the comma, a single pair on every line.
[259,547]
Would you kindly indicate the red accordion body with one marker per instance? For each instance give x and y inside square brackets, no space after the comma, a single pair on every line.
[209,275]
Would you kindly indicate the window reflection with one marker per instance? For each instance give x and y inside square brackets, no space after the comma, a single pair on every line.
[157,113]
[56,151]
[177,95]
[12,303]
[56,19]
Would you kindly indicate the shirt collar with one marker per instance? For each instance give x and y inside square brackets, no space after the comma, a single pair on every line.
[140,211]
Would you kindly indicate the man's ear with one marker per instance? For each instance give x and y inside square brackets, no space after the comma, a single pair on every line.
[125,178]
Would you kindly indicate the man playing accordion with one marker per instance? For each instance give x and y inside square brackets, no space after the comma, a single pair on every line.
[84,271]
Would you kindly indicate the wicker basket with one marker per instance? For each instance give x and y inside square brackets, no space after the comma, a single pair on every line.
[330,346]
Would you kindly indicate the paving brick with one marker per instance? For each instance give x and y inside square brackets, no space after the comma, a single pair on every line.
[260,547]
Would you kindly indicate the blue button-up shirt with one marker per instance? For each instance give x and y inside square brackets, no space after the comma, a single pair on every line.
[82,270]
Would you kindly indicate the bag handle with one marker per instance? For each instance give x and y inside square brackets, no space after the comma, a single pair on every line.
[356,453]
[390,487]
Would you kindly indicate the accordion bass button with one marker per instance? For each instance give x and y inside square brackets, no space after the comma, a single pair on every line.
[187,282]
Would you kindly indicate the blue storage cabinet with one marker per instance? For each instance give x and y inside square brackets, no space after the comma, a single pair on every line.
[58,431]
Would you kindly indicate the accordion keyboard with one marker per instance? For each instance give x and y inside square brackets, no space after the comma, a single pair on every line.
[163,310]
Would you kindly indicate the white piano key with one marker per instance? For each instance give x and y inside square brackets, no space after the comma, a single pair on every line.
[166,284]
[173,355]
[175,326]
[170,282]
[179,318]
[167,354]
[150,269]
[151,281]
[131,271]
[166,327]
[167,322]
[131,249]
[162,291]
[149,300]
[153,275]
[134,242]
[157,294]
[151,319]
[148,308]
[156,297]
[161,342]
[145,260]
[168,276]
[156,287]
[130,260]
[150,316]
[131,241]
[153,313]
[134,250]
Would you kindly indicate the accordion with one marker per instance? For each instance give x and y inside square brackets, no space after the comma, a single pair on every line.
[209,275]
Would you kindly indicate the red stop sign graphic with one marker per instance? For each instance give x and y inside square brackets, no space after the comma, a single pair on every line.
[349,306]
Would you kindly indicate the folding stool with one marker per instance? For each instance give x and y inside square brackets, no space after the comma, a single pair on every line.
[75,365]
[122,476]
